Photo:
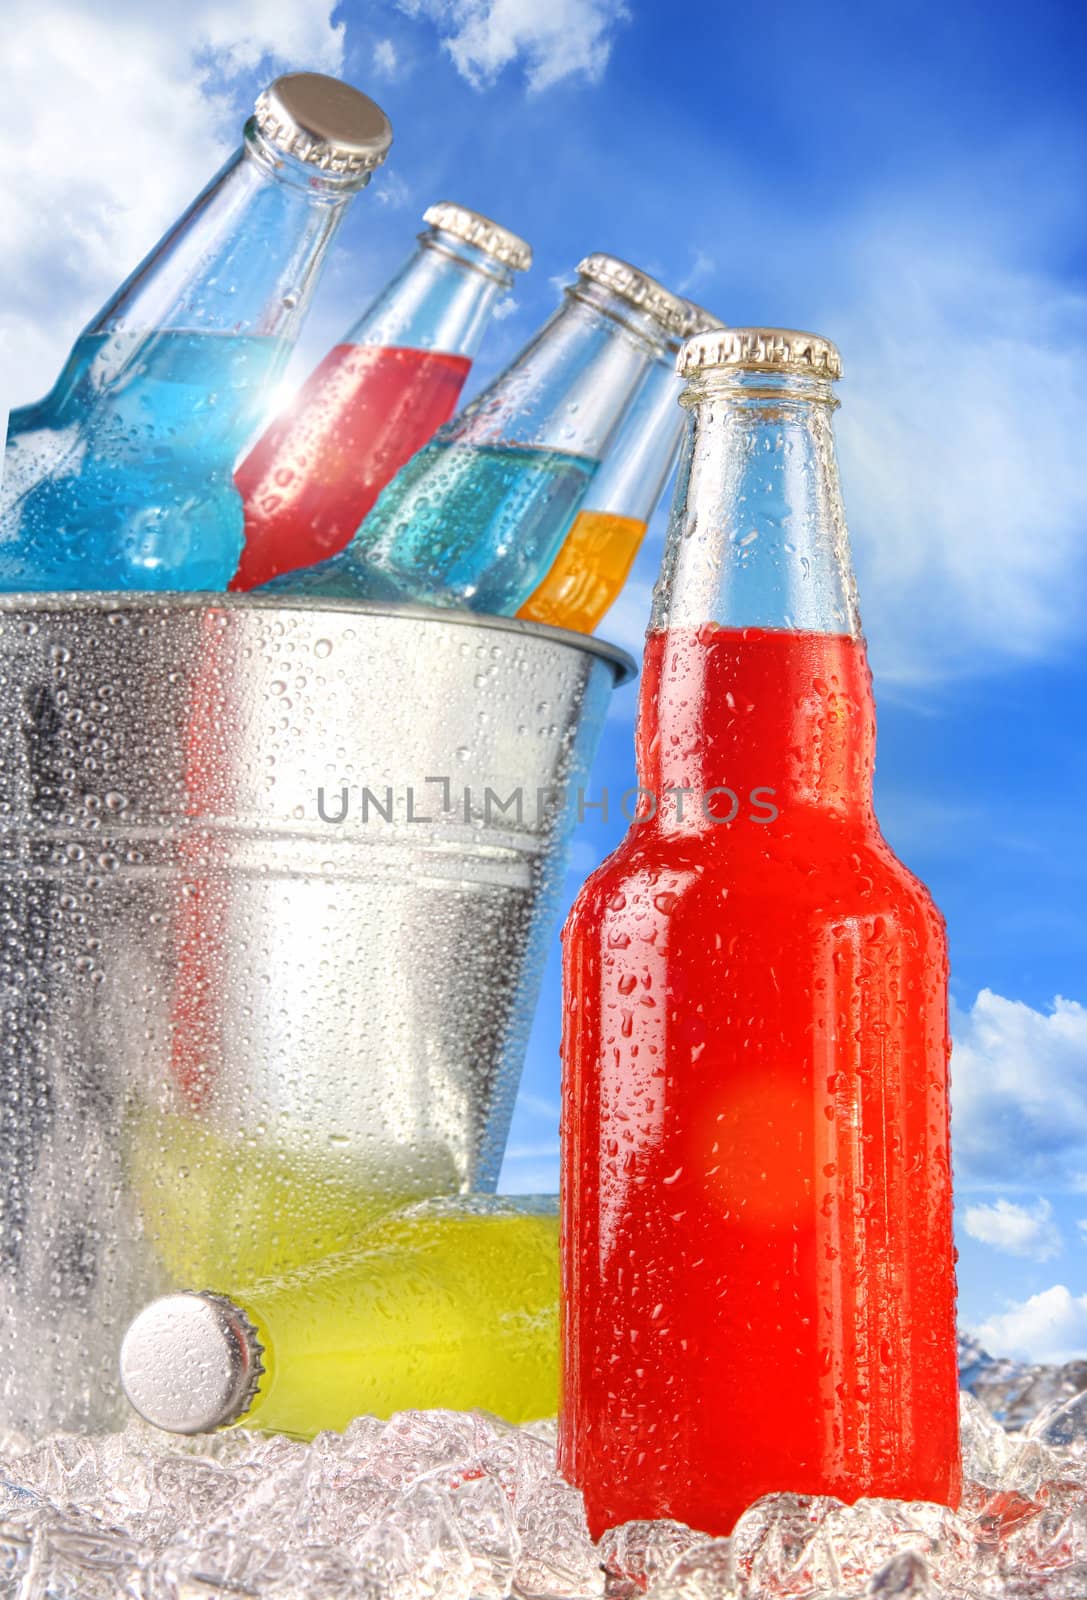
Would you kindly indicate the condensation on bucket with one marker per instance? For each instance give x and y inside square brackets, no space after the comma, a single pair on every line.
[232,1030]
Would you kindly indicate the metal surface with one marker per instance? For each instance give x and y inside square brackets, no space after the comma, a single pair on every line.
[191,1363]
[474,228]
[702,321]
[323,122]
[760,350]
[232,1029]
[671,311]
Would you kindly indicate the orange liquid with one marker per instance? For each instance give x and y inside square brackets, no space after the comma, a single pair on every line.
[588,572]
[757,1260]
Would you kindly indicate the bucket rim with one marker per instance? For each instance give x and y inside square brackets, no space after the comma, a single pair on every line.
[621,662]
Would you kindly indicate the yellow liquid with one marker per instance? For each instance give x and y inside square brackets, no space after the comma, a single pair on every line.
[221,1210]
[588,572]
[441,1305]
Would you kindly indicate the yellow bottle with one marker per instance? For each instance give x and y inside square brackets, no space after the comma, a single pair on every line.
[594,560]
[231,1207]
[452,1302]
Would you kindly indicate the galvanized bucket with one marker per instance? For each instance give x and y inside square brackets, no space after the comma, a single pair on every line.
[276,883]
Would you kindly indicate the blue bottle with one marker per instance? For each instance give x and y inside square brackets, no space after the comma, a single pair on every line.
[121,477]
[474,520]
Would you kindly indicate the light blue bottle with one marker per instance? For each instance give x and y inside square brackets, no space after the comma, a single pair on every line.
[475,519]
[121,478]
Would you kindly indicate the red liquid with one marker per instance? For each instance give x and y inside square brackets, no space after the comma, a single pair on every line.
[758,1280]
[315,472]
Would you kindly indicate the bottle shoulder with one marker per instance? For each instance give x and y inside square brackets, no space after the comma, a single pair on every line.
[730,873]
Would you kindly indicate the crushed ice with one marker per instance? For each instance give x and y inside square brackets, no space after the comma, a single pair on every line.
[443,1506]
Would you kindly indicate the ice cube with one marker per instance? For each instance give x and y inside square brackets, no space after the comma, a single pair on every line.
[1013,1392]
[865,1538]
[1063,1426]
[904,1577]
[202,1562]
[781,1545]
[85,1562]
[484,1515]
[1054,1540]
[450,1506]
[558,1559]
[417,1551]
[636,1553]
[984,1443]
[706,1571]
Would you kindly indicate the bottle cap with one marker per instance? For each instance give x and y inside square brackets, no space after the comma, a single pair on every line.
[700,320]
[324,123]
[760,350]
[637,287]
[474,228]
[191,1362]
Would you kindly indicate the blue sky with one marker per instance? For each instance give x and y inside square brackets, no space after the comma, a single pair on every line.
[904,178]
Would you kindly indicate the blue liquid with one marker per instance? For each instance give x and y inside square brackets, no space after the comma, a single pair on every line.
[121,478]
[460,525]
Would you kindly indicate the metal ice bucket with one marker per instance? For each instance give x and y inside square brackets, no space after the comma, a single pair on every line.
[275,887]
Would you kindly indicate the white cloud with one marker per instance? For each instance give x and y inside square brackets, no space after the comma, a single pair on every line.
[537,1105]
[1050,1326]
[243,33]
[965,369]
[959,433]
[531,1163]
[506,307]
[113,122]
[562,39]
[386,59]
[702,266]
[964,338]
[1019,1091]
[532,1152]
[539,1177]
[389,189]
[1017,1230]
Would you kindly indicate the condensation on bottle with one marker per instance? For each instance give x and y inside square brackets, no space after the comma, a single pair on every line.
[121,477]
[475,519]
[451,1303]
[594,560]
[377,396]
[756,1171]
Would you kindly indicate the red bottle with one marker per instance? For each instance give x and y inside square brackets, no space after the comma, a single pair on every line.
[758,1275]
[376,398]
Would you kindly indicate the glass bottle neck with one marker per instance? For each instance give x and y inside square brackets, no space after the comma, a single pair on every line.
[441,299]
[743,730]
[757,537]
[632,478]
[244,258]
[756,701]
[569,388]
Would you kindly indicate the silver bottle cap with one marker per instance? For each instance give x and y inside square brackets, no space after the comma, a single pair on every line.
[761,350]
[637,287]
[191,1362]
[323,122]
[474,228]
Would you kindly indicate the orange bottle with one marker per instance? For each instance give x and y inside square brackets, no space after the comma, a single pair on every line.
[595,559]
[758,1281]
